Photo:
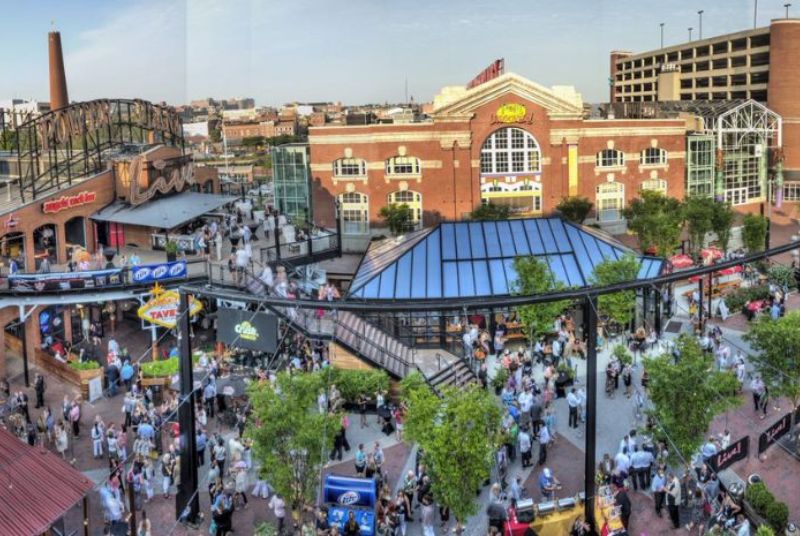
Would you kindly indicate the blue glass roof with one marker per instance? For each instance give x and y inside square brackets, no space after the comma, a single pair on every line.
[473,259]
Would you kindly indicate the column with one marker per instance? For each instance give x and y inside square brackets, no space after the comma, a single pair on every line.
[30,258]
[590,326]
[2,353]
[187,497]
[572,168]
[61,243]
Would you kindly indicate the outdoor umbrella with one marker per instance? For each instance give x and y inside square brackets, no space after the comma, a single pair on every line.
[711,254]
[681,261]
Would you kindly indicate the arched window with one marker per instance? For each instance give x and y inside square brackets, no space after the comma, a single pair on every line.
[656,185]
[510,150]
[610,201]
[354,211]
[610,158]
[350,167]
[402,165]
[653,156]
[414,202]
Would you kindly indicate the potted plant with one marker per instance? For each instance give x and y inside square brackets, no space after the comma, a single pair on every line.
[171,249]
[500,379]
[622,354]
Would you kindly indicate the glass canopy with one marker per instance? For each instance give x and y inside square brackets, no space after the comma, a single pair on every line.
[473,259]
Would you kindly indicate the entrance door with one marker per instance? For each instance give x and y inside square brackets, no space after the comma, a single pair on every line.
[116,235]
[736,196]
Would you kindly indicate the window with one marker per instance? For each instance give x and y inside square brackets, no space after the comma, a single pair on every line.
[791,191]
[523,197]
[700,166]
[413,200]
[354,211]
[510,150]
[610,158]
[402,165]
[610,201]
[653,156]
[349,167]
[655,185]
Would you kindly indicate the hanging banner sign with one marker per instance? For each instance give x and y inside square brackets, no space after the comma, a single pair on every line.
[148,273]
[774,433]
[66,202]
[247,330]
[734,453]
[162,309]
[57,281]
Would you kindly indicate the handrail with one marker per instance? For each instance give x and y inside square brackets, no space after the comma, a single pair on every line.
[384,351]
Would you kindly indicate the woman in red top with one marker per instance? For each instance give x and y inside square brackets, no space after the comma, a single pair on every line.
[398,419]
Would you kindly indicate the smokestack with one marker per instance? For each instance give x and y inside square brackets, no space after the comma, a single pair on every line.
[58,80]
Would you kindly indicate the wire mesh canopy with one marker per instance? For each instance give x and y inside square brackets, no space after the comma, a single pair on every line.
[473,259]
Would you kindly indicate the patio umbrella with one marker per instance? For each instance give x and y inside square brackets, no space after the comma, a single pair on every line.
[710,254]
[681,261]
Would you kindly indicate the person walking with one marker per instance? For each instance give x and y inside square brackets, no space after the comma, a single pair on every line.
[525,447]
[623,502]
[39,387]
[544,439]
[278,506]
[574,403]
[168,463]
[659,489]
[673,490]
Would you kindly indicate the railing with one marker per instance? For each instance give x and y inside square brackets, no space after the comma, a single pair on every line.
[402,364]
[325,242]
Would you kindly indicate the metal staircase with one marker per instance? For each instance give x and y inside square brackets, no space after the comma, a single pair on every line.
[457,374]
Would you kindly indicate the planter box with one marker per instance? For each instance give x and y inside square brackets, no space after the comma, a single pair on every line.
[755,519]
[158,381]
[78,378]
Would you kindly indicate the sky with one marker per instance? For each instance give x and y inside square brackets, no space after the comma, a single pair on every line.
[353,51]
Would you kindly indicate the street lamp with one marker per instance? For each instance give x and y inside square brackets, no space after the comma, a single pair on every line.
[787,6]
[690,33]
[700,30]
[755,14]
[662,34]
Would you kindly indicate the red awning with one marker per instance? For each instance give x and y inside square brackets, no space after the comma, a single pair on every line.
[36,487]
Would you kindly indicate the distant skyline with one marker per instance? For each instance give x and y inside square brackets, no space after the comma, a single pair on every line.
[354,51]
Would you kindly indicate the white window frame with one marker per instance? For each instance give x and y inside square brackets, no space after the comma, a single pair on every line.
[610,158]
[356,168]
[610,199]
[654,185]
[402,162]
[354,213]
[415,204]
[509,147]
[653,156]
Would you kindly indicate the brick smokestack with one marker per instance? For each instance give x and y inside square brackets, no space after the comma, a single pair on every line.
[58,79]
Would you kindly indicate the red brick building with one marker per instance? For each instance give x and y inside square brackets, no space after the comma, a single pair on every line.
[508,141]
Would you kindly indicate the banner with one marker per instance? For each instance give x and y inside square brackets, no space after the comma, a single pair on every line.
[162,308]
[247,330]
[148,273]
[734,453]
[774,433]
[59,281]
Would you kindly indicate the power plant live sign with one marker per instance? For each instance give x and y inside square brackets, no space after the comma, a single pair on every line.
[66,202]
[162,309]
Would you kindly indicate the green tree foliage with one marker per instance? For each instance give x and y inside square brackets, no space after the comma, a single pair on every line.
[397,217]
[776,344]
[575,209]
[291,439]
[535,277]
[215,135]
[253,141]
[8,140]
[686,396]
[721,222]
[490,212]
[754,232]
[459,434]
[618,306]
[698,212]
[657,221]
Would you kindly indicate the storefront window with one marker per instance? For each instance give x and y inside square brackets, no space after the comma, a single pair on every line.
[44,242]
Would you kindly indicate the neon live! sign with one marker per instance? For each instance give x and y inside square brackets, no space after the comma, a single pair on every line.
[66,202]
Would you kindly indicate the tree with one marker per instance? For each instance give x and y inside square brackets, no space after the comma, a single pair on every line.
[490,211]
[459,434]
[687,394]
[698,212]
[215,135]
[754,233]
[776,344]
[722,218]
[657,221]
[397,217]
[8,140]
[618,306]
[291,439]
[535,277]
[575,209]
[253,141]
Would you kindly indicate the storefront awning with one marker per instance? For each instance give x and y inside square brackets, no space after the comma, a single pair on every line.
[164,213]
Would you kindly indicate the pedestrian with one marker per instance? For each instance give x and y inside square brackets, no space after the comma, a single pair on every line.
[525,447]
[168,463]
[97,440]
[428,516]
[673,493]
[144,526]
[278,506]
[62,440]
[573,401]
[39,388]
[200,445]
[241,482]
[623,502]
[75,417]
[544,439]
[360,460]
[409,488]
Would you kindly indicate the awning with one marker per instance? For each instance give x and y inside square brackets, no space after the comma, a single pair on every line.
[38,487]
[165,212]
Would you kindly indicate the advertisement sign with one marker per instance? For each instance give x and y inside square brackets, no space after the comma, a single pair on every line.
[774,433]
[66,202]
[58,281]
[95,389]
[734,453]
[148,273]
[494,70]
[345,494]
[337,515]
[247,330]
[162,309]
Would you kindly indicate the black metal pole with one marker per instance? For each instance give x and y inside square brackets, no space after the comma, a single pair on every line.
[590,326]
[24,347]
[657,319]
[700,305]
[187,489]
[277,239]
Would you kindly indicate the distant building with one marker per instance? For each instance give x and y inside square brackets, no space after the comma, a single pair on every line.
[14,112]
[290,177]
[199,129]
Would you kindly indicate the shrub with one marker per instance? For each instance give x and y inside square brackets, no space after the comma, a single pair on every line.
[757,495]
[575,209]
[781,275]
[352,383]
[765,530]
[764,503]
[737,298]
[86,365]
[754,232]
[777,515]
[500,378]
[165,367]
[622,354]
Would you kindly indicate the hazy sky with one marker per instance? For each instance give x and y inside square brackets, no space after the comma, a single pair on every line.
[354,51]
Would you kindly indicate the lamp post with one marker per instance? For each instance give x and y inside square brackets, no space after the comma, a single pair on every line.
[787,6]
[755,14]
[700,29]
[690,33]
[662,34]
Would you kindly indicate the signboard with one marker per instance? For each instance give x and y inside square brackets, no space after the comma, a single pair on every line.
[58,281]
[66,202]
[337,515]
[734,453]
[511,113]
[95,388]
[345,494]
[244,329]
[494,70]
[774,433]
[162,309]
[148,273]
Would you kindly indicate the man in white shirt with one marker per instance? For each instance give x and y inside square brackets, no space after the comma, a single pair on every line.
[525,400]
[544,439]
[574,402]
[622,462]
[641,460]
[525,447]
